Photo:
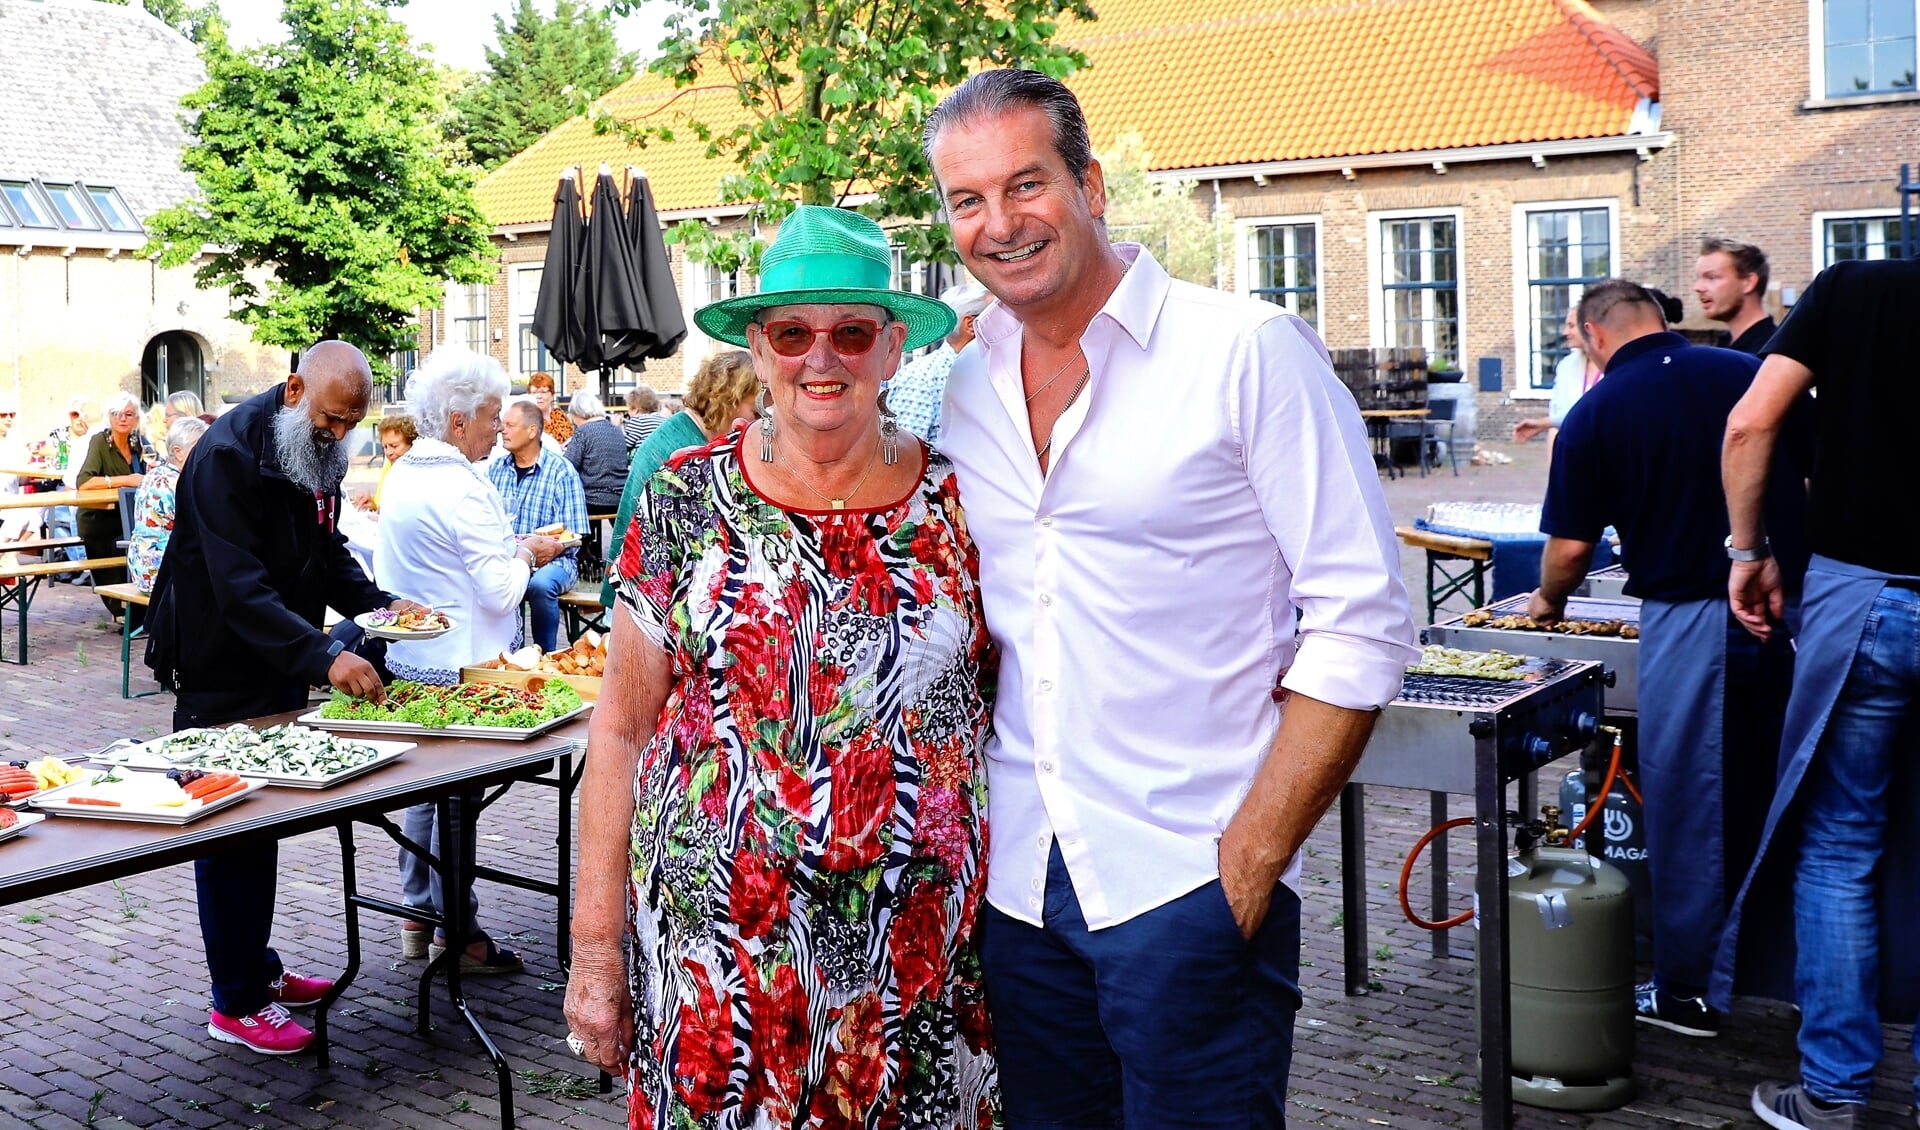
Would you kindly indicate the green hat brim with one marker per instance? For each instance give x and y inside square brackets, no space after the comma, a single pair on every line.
[927,319]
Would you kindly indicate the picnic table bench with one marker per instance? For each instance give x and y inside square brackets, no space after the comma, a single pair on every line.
[128,594]
[1445,578]
[20,582]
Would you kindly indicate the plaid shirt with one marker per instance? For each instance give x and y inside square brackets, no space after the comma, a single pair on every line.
[551,494]
[916,390]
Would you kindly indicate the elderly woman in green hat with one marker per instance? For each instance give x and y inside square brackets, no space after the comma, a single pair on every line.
[783,812]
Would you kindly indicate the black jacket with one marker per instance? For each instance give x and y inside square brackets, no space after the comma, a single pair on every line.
[253,565]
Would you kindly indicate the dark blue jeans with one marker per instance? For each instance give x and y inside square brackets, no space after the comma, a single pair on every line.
[1844,816]
[1167,1021]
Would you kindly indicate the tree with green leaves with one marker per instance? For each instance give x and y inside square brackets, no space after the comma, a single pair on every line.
[183,16]
[1160,214]
[543,71]
[327,207]
[836,94]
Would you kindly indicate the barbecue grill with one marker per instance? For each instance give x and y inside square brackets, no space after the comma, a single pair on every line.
[1606,584]
[1459,734]
[1621,656]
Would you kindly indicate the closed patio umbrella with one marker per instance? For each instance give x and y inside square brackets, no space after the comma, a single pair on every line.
[559,316]
[669,323]
[616,305]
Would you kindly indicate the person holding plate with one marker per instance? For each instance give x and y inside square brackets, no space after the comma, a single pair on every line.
[446,541]
[783,781]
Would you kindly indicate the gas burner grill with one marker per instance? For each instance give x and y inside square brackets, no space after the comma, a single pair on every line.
[1606,584]
[1621,656]
[1459,734]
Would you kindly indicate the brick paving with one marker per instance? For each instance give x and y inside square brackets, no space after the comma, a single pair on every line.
[103,1020]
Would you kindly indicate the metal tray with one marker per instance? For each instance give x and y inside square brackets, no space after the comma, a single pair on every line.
[22,822]
[21,802]
[54,801]
[143,757]
[490,733]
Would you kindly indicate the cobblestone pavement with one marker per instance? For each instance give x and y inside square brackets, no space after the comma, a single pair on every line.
[103,1019]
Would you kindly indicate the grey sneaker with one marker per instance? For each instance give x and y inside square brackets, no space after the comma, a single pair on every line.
[1789,1107]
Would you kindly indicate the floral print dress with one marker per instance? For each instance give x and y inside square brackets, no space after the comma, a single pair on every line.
[809,835]
[152,524]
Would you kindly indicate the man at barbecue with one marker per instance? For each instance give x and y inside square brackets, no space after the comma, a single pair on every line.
[1641,453]
[255,560]
[1844,833]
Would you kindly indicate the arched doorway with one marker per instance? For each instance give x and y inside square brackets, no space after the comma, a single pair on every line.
[172,363]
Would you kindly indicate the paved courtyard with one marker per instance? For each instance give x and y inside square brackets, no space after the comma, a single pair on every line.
[103,1022]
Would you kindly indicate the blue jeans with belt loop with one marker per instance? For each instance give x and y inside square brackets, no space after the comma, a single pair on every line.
[1844,820]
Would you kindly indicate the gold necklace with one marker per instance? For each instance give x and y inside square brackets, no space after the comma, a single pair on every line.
[835,503]
[1056,376]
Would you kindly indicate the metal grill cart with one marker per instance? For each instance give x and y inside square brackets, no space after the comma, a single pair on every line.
[1606,584]
[1452,734]
[1620,654]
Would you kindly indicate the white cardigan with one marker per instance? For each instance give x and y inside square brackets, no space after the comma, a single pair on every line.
[445,541]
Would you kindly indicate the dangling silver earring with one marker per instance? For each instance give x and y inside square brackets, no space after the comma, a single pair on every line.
[889,432]
[764,405]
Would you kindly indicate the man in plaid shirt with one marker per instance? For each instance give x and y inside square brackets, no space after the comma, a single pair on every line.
[539,488]
[915,392]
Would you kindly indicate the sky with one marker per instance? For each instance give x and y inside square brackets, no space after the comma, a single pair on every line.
[458,30]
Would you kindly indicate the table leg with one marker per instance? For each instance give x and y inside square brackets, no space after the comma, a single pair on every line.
[1437,812]
[20,596]
[563,842]
[1353,886]
[452,813]
[349,883]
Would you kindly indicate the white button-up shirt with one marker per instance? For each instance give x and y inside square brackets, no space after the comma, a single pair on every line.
[1212,521]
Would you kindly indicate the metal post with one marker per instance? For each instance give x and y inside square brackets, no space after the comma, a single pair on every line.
[1353,886]
[1490,889]
[1437,812]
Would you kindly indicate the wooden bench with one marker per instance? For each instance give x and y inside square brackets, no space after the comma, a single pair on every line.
[1443,550]
[128,594]
[582,610]
[19,584]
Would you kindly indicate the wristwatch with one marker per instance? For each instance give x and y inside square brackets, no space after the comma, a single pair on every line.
[1759,553]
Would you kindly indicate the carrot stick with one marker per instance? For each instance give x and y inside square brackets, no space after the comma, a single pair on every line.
[229,790]
[103,803]
[211,783]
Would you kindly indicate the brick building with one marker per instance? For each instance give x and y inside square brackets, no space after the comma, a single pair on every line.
[90,142]
[1440,173]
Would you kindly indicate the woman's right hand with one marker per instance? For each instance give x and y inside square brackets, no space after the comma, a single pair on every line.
[600,1005]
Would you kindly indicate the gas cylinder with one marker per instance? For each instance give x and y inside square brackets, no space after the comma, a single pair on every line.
[1571,970]
[1621,841]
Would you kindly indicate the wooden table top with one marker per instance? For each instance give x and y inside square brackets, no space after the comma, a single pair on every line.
[1391,413]
[35,545]
[85,499]
[33,472]
[64,852]
[1477,548]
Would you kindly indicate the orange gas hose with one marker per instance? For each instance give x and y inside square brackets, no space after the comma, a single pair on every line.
[1406,874]
[1606,789]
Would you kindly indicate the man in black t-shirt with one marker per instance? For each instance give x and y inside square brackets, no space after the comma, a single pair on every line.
[1641,453]
[1844,835]
[1730,279]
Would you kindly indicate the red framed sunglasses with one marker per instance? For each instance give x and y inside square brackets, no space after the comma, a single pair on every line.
[849,337]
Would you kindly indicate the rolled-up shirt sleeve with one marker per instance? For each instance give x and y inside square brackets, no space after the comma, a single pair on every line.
[1306,454]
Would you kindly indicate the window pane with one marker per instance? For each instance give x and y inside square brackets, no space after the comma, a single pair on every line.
[108,202]
[529,282]
[73,211]
[1891,19]
[533,352]
[1849,70]
[1307,305]
[1893,65]
[1846,21]
[26,204]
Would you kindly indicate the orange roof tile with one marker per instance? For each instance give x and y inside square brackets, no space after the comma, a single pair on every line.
[1223,82]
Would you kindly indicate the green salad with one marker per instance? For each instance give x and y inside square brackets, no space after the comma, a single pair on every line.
[468,704]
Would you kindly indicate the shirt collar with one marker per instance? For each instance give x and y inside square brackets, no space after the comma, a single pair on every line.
[1641,346]
[1134,305]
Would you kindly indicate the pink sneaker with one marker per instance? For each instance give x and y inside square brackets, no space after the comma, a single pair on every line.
[294,991]
[270,1031]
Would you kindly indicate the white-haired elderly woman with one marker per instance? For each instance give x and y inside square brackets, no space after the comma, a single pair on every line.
[446,541]
[598,451]
[116,457]
[152,523]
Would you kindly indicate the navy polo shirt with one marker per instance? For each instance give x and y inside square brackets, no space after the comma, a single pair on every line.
[1641,452]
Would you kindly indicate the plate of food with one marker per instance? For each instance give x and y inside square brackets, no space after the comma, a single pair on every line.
[294,756]
[21,781]
[568,539]
[176,796]
[386,624]
[468,710]
[13,823]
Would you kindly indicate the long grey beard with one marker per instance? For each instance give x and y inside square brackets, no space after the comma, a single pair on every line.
[311,465]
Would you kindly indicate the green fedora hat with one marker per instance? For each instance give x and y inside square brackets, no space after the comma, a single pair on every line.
[827,255]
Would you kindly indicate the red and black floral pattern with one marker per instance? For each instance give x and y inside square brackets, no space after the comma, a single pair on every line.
[810,827]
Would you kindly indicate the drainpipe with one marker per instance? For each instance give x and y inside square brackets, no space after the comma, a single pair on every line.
[1219,282]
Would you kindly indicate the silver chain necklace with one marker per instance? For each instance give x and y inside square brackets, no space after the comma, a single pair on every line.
[1086,375]
[1056,376]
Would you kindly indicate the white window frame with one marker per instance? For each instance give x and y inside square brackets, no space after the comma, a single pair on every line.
[1820,219]
[1243,228]
[454,305]
[520,313]
[1376,304]
[1817,60]
[1522,278]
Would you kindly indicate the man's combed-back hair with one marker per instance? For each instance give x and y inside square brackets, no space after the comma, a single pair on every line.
[1748,260]
[991,93]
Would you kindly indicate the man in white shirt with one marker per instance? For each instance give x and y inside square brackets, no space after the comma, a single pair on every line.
[1176,510]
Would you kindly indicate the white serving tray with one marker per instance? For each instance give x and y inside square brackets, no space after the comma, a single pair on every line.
[491,733]
[55,802]
[23,801]
[147,756]
[22,822]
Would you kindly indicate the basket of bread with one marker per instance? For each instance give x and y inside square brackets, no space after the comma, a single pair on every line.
[579,665]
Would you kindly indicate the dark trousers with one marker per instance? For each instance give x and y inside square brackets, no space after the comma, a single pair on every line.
[1167,1021]
[235,888]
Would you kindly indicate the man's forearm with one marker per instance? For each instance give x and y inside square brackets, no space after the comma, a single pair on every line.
[1743,472]
[1312,757]
[1563,565]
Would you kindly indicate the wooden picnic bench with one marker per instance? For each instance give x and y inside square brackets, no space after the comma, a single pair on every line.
[21,582]
[1445,579]
[128,594]
[583,610]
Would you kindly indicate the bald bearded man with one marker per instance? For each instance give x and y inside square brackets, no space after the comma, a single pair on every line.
[255,560]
